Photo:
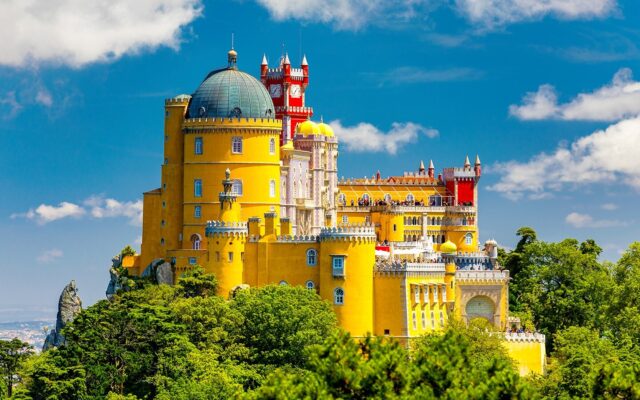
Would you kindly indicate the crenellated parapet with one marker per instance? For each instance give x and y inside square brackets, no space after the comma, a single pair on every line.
[180,100]
[220,228]
[524,337]
[364,232]
[222,125]
[487,276]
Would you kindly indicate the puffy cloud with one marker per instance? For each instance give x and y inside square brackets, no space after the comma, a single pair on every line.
[365,137]
[49,256]
[620,99]
[495,13]
[605,156]
[95,206]
[110,208]
[578,220]
[45,213]
[79,32]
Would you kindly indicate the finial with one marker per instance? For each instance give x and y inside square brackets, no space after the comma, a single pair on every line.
[421,169]
[466,161]
[227,174]
[304,60]
[431,164]
[264,59]
[286,59]
[477,160]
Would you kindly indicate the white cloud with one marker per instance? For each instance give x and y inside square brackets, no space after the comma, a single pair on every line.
[44,97]
[79,32]
[578,220]
[605,156]
[620,99]
[110,208]
[9,106]
[365,137]
[49,256]
[495,13]
[609,206]
[345,14]
[95,206]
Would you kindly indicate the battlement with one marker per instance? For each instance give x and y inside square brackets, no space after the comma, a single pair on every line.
[404,266]
[452,173]
[298,238]
[362,231]
[292,109]
[182,99]
[524,337]
[220,227]
[486,276]
[271,123]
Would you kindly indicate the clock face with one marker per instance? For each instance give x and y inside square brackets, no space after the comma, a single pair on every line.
[275,90]
[296,91]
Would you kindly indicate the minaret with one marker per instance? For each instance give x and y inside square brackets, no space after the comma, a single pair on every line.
[477,167]
[431,170]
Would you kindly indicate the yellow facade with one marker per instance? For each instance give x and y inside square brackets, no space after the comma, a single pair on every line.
[395,256]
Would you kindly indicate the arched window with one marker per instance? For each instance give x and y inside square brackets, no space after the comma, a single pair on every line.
[312,257]
[283,283]
[468,239]
[310,285]
[366,199]
[342,199]
[410,197]
[435,200]
[195,241]
[197,188]
[387,198]
[272,146]
[443,239]
[415,221]
[338,297]
[272,188]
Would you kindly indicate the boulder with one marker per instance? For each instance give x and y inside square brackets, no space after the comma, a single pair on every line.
[164,274]
[69,306]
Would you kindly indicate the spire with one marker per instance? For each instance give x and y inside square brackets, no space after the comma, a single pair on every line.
[232,58]
[421,169]
[431,164]
[286,59]
[466,162]
[477,160]
[264,60]
[304,60]
[431,170]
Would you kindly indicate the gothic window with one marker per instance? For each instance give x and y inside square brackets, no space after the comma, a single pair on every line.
[312,257]
[387,198]
[195,241]
[197,188]
[272,146]
[197,146]
[338,296]
[310,285]
[441,319]
[424,320]
[197,211]
[468,239]
[342,199]
[272,188]
[410,197]
[414,319]
[283,283]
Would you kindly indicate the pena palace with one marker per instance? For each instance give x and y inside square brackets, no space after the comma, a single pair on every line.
[250,191]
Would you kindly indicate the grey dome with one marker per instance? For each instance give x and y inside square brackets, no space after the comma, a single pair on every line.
[227,92]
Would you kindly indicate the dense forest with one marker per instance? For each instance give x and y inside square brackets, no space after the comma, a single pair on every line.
[279,342]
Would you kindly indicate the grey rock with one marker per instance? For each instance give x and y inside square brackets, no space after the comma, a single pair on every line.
[164,274]
[69,306]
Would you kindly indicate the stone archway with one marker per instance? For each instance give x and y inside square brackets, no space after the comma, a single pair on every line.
[480,307]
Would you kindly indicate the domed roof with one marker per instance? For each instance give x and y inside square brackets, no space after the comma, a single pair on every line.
[307,128]
[228,92]
[325,129]
[448,247]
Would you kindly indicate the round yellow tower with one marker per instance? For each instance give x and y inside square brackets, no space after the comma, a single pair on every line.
[393,226]
[226,239]
[449,251]
[347,258]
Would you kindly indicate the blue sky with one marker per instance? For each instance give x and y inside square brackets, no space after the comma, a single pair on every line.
[543,92]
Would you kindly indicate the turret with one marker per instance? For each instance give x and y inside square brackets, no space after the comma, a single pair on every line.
[431,170]
[449,253]
[286,65]
[421,169]
[305,71]
[467,164]
[477,167]
[264,67]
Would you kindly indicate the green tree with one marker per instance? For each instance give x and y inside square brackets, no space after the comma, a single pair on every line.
[53,375]
[624,312]
[196,282]
[280,321]
[12,354]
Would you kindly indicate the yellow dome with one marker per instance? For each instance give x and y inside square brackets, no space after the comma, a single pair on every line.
[307,128]
[448,247]
[287,146]
[326,130]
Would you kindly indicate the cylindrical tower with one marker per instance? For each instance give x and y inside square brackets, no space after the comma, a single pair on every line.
[226,240]
[449,253]
[393,223]
[347,258]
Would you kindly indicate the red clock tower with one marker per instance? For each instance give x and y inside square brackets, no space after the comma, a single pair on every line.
[287,87]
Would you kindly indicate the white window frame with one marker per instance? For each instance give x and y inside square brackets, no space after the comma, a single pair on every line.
[197,188]
[198,146]
[468,239]
[423,316]
[338,266]
[433,320]
[197,211]
[426,294]
[236,187]
[272,188]
[283,283]
[387,198]
[345,219]
[312,257]
[366,197]
[410,197]
[441,319]
[443,290]
[272,146]
[416,294]
[236,145]
[342,199]
[310,285]
[414,319]
[338,296]
[435,293]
